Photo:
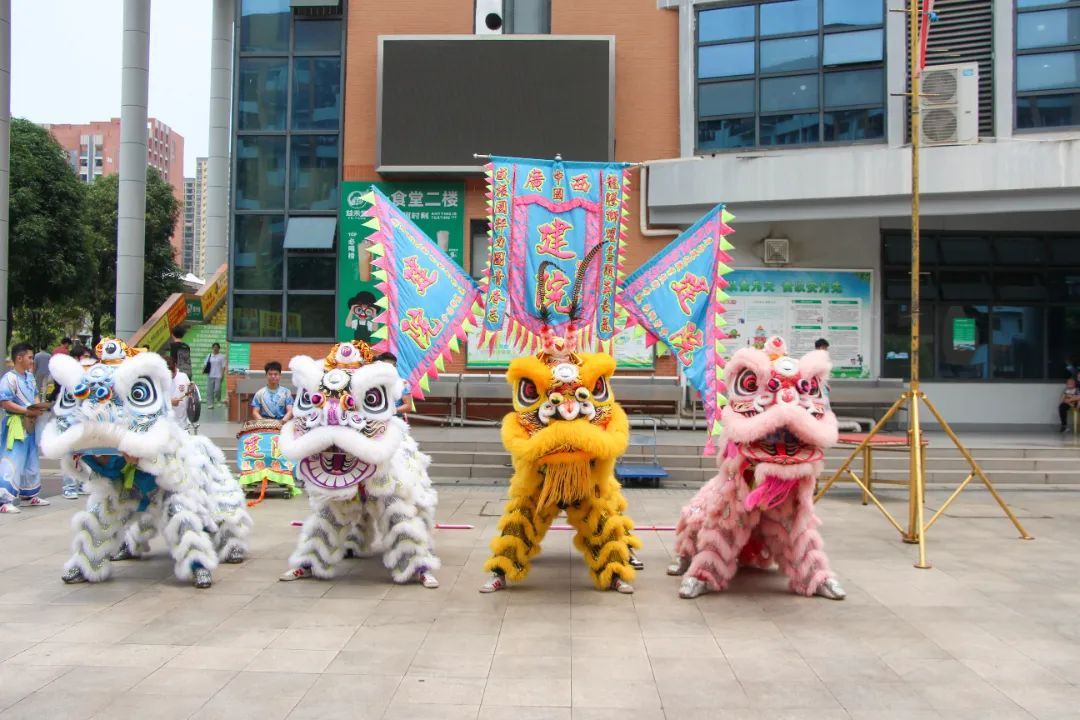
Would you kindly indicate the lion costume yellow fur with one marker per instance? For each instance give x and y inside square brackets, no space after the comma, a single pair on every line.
[564,436]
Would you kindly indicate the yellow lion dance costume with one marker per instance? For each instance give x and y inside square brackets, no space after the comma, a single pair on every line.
[564,435]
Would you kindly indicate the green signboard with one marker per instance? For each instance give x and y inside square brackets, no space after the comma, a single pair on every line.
[239,357]
[437,208]
[963,334]
[194,309]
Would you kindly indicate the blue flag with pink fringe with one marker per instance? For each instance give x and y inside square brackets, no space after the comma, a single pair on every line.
[553,214]
[428,300]
[677,297]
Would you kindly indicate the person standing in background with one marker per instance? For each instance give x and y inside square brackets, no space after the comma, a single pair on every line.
[273,402]
[180,351]
[181,390]
[215,370]
[64,347]
[41,369]
[20,474]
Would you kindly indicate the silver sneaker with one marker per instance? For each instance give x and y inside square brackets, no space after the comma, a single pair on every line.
[236,555]
[691,587]
[73,576]
[679,568]
[831,589]
[635,562]
[203,579]
[124,553]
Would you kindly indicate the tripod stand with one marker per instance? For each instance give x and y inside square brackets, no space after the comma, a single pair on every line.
[914,395]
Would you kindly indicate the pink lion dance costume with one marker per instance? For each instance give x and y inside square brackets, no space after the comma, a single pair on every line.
[760,507]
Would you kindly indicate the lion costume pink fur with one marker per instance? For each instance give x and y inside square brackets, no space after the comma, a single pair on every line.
[760,507]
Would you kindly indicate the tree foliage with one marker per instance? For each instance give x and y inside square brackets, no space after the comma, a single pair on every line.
[161,276]
[47,243]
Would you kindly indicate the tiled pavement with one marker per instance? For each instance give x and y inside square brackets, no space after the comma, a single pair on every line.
[991,632]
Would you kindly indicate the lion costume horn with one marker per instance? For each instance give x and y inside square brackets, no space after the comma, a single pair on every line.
[551,344]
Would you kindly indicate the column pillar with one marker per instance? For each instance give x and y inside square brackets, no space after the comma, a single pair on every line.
[131,213]
[216,241]
[5,160]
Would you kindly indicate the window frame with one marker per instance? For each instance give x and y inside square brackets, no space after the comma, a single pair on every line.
[1017,94]
[932,301]
[821,70]
[290,56]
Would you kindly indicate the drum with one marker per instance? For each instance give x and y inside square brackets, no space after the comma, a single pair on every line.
[258,457]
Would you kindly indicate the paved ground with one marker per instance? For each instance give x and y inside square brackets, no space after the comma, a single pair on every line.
[991,632]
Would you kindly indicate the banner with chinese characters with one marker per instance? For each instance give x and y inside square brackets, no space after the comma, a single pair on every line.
[437,208]
[676,296]
[553,211]
[427,301]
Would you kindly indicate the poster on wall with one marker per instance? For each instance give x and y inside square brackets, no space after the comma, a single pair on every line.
[803,306]
[437,208]
[631,353]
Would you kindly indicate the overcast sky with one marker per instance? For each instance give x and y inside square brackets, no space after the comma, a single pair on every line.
[65,64]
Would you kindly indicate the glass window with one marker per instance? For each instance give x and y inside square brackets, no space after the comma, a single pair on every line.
[1063,339]
[529,17]
[1019,251]
[311,316]
[262,88]
[1064,285]
[729,133]
[256,316]
[1044,111]
[852,125]
[727,98]
[965,285]
[1049,28]
[316,103]
[317,36]
[789,93]
[264,25]
[260,173]
[1016,337]
[726,60]
[1048,71]
[797,129]
[794,16]
[726,23]
[313,182]
[853,47]
[257,252]
[1019,286]
[478,247]
[1065,251]
[857,87]
[896,334]
[789,54]
[1039,3]
[842,13]
[964,352]
[965,251]
[312,271]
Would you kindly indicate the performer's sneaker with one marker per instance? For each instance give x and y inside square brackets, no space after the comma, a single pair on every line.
[831,589]
[428,580]
[124,553]
[296,574]
[635,563]
[73,576]
[692,587]
[680,567]
[621,586]
[494,584]
[202,578]
[236,555]
[36,502]
[10,507]
[71,495]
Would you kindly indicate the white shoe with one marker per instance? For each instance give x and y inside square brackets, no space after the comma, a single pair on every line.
[10,508]
[71,495]
[831,589]
[428,580]
[691,587]
[494,584]
[621,586]
[36,502]
[296,574]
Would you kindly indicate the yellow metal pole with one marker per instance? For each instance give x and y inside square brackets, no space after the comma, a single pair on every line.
[915,499]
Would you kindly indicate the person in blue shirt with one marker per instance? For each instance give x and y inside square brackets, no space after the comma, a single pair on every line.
[20,475]
[272,402]
[405,404]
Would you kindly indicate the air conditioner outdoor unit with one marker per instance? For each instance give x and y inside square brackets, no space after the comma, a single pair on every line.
[777,251]
[949,105]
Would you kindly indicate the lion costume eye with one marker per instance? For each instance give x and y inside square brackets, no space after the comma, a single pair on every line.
[375,400]
[600,390]
[746,383]
[582,394]
[303,401]
[527,392]
[142,393]
[67,400]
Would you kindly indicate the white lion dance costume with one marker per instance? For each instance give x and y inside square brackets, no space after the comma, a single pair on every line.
[365,478]
[760,507]
[113,428]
